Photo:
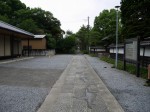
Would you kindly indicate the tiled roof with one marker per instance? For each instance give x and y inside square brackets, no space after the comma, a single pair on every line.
[9,27]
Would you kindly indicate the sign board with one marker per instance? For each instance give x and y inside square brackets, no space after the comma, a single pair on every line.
[131,50]
[132,53]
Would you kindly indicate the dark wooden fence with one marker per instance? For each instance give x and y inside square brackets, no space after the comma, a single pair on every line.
[144,60]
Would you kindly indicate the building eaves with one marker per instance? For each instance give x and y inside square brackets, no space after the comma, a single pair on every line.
[9,27]
[145,43]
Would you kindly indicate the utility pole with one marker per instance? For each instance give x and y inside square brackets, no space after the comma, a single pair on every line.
[88,35]
[116,61]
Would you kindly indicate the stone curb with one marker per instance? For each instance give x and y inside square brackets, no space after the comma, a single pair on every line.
[14,60]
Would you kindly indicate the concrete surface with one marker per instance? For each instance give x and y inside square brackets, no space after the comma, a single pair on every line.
[14,60]
[25,84]
[79,89]
[128,89]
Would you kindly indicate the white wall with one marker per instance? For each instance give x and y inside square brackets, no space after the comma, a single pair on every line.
[121,51]
[147,51]
[113,50]
[98,49]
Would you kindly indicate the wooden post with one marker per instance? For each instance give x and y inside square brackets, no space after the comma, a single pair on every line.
[28,47]
[149,72]
[138,58]
[4,45]
[18,47]
[12,46]
[124,60]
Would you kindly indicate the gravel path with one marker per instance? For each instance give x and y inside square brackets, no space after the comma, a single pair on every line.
[127,88]
[25,84]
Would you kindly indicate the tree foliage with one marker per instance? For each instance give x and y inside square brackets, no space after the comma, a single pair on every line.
[135,18]
[82,36]
[51,42]
[34,20]
[105,28]
[28,25]
[67,44]
[94,38]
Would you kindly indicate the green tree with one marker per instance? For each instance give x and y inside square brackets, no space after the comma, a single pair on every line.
[135,18]
[94,38]
[28,25]
[82,36]
[5,9]
[68,32]
[35,20]
[105,26]
[47,22]
[67,44]
[51,42]
[4,18]
[15,5]
[70,44]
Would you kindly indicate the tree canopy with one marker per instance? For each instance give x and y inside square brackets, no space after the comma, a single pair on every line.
[102,34]
[82,37]
[34,20]
[135,18]
[67,44]
[105,28]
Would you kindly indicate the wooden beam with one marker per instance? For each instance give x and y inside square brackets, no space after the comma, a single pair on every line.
[4,44]
[28,47]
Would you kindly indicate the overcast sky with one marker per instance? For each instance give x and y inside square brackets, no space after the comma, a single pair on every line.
[73,13]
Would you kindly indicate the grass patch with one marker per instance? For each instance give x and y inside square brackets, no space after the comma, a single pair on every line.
[147,83]
[129,67]
[85,52]
[93,55]
[108,60]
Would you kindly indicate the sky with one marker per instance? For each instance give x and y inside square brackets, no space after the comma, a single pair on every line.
[73,13]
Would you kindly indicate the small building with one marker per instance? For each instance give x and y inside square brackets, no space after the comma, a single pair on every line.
[97,49]
[36,43]
[10,40]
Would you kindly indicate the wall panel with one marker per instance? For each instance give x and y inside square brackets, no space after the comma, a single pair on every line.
[7,46]
[1,45]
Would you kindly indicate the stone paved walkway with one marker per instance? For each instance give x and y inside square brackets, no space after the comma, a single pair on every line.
[79,89]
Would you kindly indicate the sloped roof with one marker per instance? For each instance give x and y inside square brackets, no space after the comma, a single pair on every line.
[9,27]
[39,36]
[107,37]
[145,43]
[114,45]
[97,47]
[142,43]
